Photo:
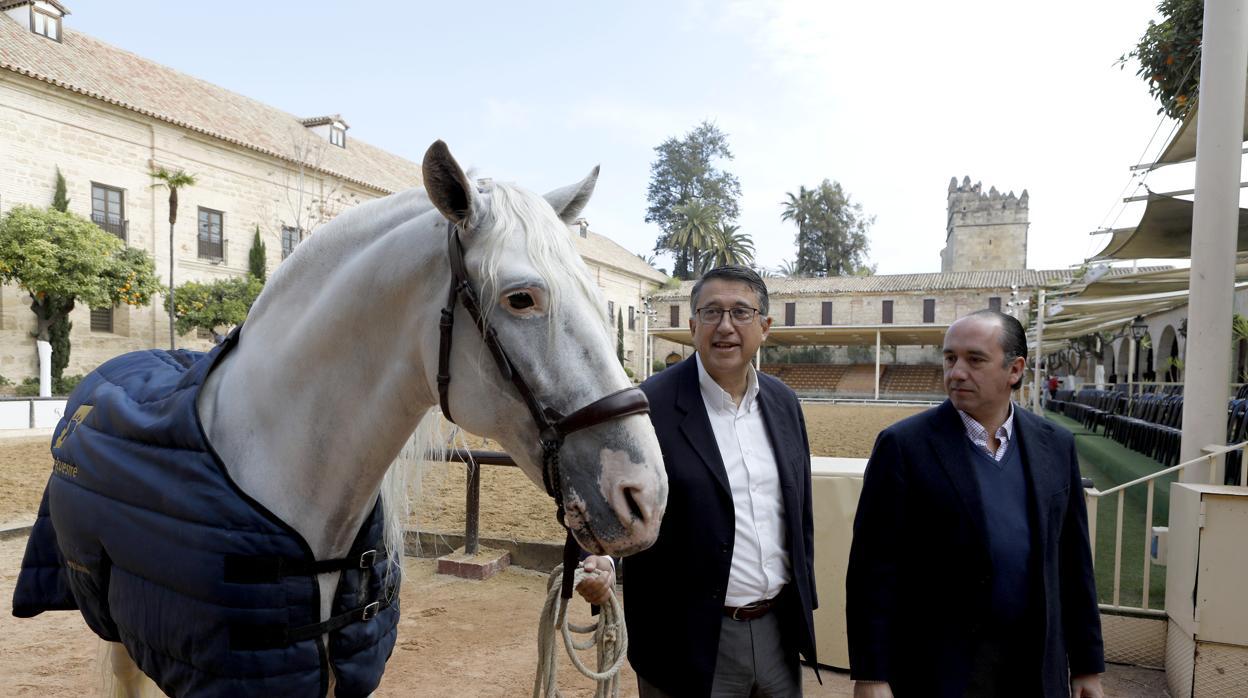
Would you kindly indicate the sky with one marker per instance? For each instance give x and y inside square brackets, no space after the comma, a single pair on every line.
[891,100]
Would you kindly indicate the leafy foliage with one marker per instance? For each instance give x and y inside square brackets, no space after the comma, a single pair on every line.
[256,259]
[686,170]
[60,200]
[831,232]
[220,303]
[728,245]
[61,259]
[1169,56]
[694,225]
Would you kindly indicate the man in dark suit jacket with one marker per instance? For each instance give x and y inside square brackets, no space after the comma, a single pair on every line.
[970,572]
[722,603]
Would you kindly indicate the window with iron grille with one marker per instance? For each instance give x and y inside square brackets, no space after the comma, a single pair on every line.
[929,310]
[211,242]
[291,236]
[611,311]
[675,313]
[632,318]
[108,209]
[994,303]
[827,313]
[887,318]
[101,319]
[790,314]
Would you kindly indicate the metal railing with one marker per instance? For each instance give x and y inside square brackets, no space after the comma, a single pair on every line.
[472,509]
[1092,497]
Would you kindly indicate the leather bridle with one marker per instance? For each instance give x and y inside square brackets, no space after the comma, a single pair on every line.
[552,426]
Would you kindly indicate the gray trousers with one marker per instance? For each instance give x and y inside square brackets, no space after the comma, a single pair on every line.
[753,662]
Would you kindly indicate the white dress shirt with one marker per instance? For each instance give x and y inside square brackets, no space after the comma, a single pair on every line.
[760,560]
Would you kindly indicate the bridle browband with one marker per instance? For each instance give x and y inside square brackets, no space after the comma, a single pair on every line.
[552,426]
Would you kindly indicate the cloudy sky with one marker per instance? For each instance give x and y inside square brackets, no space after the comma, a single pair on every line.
[889,99]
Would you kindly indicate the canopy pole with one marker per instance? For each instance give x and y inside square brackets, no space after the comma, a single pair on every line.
[1215,225]
[877,364]
[1130,365]
[1035,369]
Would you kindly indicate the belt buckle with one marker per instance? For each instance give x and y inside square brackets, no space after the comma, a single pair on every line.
[367,558]
[371,610]
[735,611]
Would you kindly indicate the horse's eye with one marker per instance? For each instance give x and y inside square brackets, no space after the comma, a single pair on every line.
[520,301]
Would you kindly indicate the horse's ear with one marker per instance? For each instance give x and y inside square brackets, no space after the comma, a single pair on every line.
[447,185]
[569,201]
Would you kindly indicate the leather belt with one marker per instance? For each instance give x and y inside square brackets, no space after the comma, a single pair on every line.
[750,611]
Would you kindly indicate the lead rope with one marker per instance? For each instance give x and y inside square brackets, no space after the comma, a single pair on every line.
[608,635]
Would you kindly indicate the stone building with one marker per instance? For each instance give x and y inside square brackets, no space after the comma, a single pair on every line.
[984,231]
[106,118]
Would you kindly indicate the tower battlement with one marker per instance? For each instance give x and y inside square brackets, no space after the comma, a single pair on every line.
[984,230]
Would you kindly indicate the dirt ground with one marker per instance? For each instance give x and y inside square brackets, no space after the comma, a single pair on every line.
[456,637]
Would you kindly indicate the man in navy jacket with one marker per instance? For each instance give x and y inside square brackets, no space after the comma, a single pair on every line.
[722,603]
[970,572]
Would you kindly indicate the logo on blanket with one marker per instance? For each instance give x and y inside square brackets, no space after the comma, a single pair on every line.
[79,415]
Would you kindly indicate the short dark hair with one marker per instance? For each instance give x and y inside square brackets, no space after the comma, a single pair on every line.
[733,272]
[1013,337]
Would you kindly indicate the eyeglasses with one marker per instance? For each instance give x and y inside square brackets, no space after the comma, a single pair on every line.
[712,316]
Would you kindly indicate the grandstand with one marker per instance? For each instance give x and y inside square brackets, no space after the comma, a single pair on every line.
[897,381]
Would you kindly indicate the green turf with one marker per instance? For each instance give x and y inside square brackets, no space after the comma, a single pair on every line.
[1109,463]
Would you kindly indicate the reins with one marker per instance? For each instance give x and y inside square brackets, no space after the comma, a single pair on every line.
[552,426]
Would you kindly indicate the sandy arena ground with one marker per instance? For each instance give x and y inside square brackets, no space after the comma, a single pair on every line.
[456,638]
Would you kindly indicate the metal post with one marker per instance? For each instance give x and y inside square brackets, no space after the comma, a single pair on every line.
[472,512]
[1130,367]
[1215,222]
[877,364]
[645,341]
[1035,369]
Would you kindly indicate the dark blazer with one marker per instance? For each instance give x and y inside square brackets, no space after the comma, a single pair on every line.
[674,591]
[919,570]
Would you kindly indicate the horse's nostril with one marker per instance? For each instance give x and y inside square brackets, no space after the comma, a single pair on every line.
[634,509]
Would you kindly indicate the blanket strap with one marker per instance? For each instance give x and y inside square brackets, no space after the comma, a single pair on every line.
[266,637]
[247,569]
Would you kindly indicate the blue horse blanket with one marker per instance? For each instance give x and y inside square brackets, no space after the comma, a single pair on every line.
[142,530]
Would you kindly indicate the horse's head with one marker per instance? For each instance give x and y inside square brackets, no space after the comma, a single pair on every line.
[536,294]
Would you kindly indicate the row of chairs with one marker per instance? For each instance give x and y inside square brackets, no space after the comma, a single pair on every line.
[1151,423]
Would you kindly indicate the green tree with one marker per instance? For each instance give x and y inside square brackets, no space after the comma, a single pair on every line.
[619,337]
[173,180]
[256,259]
[58,331]
[60,200]
[728,245]
[220,303]
[61,259]
[1169,55]
[832,231]
[686,169]
[692,234]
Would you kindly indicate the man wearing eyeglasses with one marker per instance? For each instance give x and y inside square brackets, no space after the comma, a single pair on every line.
[721,604]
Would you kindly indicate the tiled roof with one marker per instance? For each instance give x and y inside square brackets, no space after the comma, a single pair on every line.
[6,4]
[603,250]
[88,66]
[323,120]
[899,283]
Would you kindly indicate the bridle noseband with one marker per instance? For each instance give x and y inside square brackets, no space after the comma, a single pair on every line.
[552,426]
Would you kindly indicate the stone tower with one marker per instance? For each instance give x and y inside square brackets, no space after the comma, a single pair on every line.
[984,231]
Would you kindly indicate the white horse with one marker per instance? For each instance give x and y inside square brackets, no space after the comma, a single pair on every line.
[337,365]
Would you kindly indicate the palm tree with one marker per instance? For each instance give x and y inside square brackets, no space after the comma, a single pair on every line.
[173,180]
[800,208]
[728,245]
[696,222]
[788,268]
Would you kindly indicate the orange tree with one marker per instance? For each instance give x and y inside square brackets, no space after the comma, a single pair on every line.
[1169,55]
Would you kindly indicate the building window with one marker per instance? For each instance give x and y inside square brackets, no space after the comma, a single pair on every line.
[675,312]
[827,313]
[994,303]
[338,135]
[101,319]
[611,311]
[108,209]
[632,318]
[211,243]
[44,23]
[290,238]
[887,319]
[790,314]
[929,310]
